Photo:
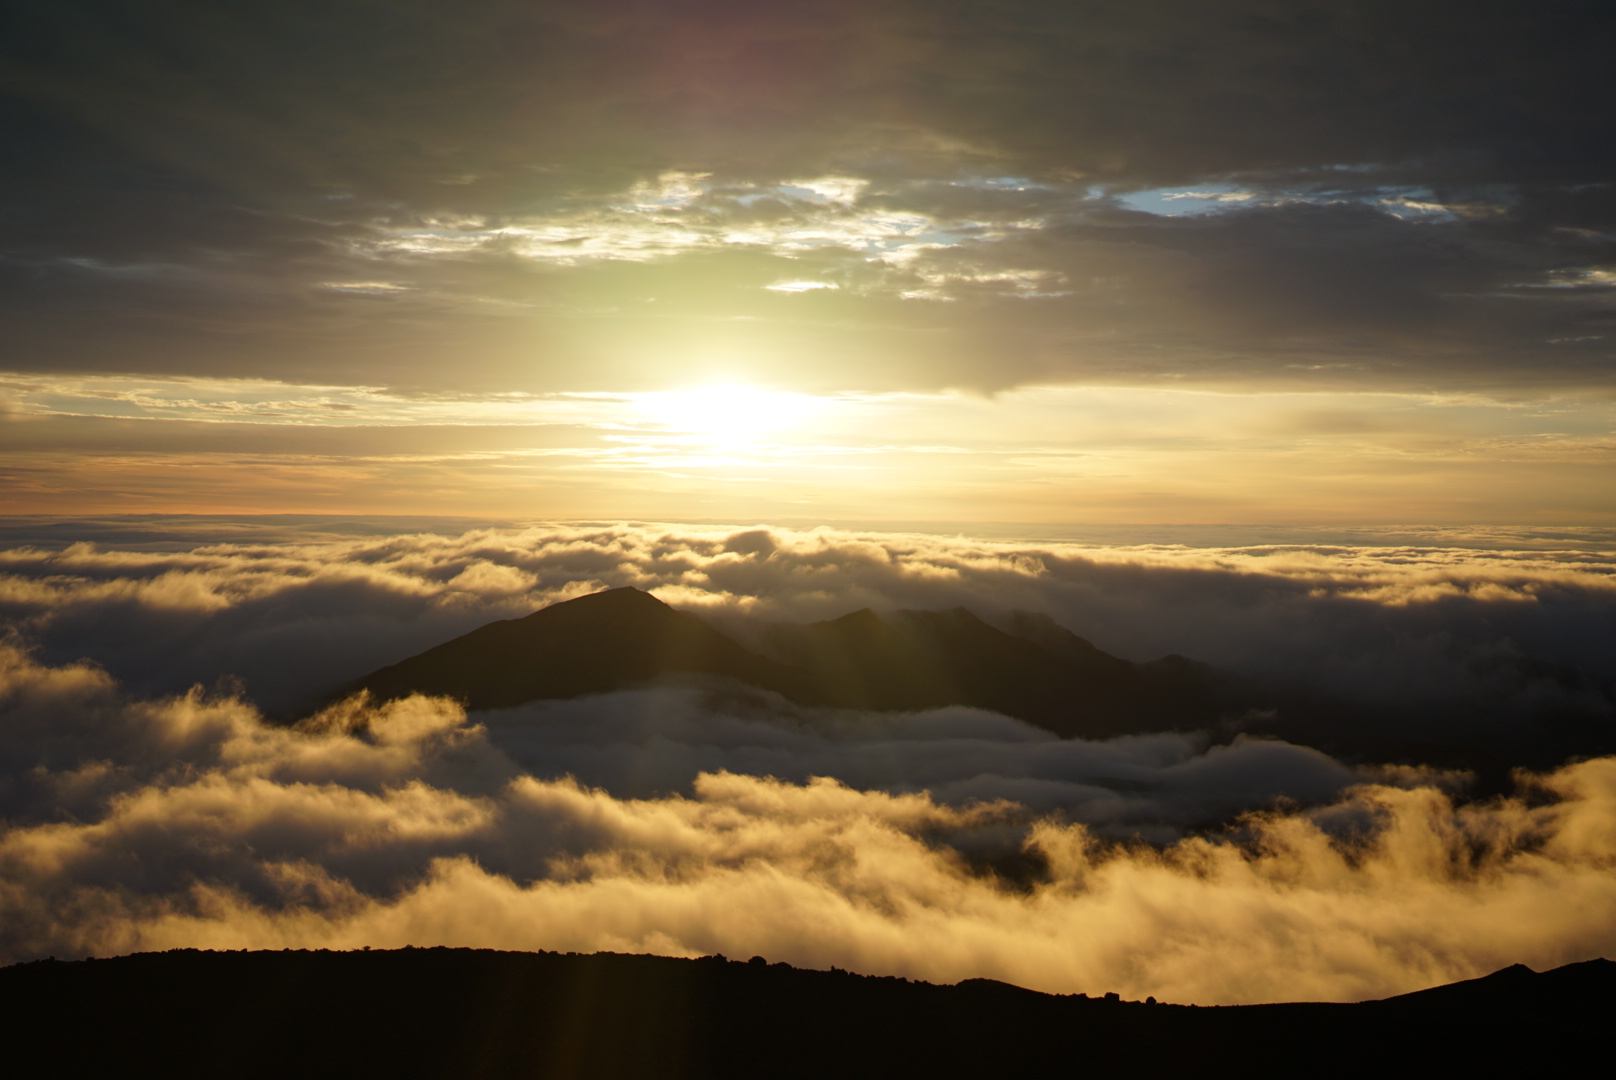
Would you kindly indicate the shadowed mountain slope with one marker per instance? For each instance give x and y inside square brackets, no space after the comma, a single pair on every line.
[472,1014]
[1028,666]
[906,660]
[605,641]
[1037,670]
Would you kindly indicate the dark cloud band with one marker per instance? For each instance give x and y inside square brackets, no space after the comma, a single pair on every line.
[1419,199]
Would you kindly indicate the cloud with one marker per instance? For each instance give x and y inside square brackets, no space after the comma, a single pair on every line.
[646,744]
[536,197]
[188,821]
[1488,639]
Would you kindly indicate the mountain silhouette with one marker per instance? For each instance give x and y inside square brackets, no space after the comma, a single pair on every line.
[1033,669]
[467,1013]
[605,641]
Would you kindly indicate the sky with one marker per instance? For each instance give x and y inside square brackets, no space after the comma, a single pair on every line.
[1275,334]
[1250,262]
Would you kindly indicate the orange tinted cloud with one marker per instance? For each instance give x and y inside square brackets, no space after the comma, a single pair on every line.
[196,824]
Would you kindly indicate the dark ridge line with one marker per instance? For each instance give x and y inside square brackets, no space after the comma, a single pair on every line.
[1032,669]
[444,1012]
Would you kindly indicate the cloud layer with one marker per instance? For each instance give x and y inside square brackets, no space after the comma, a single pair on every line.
[140,824]
[702,818]
[522,197]
[1491,640]
[644,744]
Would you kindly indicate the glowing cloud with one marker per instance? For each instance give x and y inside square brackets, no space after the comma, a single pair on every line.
[193,823]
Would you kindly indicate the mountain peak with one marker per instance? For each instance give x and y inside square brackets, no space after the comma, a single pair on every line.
[903,660]
[607,640]
[626,596]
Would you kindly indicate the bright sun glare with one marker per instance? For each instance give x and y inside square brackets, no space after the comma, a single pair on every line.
[728,413]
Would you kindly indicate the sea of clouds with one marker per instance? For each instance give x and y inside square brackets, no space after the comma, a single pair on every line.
[138,811]
[293,618]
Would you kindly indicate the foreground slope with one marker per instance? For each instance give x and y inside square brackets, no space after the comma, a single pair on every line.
[470,1013]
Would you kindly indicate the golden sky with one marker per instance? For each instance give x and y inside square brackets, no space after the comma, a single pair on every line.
[736,451]
[1026,261]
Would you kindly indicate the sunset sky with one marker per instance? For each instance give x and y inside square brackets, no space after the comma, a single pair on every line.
[1029,261]
[1278,335]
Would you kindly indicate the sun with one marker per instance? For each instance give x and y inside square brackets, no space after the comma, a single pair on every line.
[728,413]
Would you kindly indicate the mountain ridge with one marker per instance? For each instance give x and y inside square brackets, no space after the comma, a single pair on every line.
[903,660]
[475,1013]
[605,641]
